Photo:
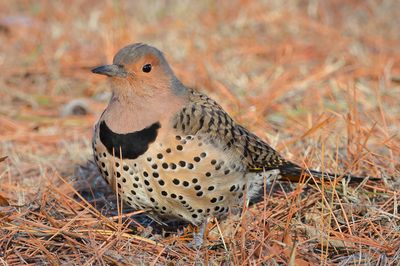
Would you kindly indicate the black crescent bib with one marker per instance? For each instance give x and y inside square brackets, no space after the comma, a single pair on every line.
[132,144]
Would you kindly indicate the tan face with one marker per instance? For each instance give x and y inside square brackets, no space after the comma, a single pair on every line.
[140,69]
[147,73]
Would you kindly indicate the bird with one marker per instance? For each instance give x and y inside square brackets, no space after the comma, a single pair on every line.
[174,151]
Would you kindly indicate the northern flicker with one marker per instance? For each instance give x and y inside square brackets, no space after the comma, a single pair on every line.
[173,150]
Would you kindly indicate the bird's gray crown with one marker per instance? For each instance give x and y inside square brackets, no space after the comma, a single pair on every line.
[133,52]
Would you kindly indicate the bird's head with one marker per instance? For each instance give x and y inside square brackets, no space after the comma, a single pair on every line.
[142,70]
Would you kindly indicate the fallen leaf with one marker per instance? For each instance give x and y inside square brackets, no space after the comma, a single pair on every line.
[3,201]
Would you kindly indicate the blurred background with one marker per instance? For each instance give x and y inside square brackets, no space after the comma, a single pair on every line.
[319,80]
[295,72]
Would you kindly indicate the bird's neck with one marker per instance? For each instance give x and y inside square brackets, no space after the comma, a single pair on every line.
[129,113]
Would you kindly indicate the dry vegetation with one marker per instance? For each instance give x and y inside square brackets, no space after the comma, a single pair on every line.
[320,80]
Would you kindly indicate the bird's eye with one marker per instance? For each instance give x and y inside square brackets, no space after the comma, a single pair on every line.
[146,68]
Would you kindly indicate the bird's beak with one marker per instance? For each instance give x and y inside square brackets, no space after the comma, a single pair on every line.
[111,71]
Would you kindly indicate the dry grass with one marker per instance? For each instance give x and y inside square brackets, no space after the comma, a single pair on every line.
[320,80]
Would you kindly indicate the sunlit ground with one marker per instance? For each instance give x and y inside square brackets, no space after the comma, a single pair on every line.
[318,80]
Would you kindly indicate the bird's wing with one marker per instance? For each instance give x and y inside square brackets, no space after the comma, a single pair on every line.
[202,115]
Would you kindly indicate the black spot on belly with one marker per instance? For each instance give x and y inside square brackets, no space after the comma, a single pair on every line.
[132,144]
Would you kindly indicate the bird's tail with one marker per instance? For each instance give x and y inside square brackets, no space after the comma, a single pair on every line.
[294,173]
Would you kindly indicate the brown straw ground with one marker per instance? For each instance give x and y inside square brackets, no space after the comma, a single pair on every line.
[319,80]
